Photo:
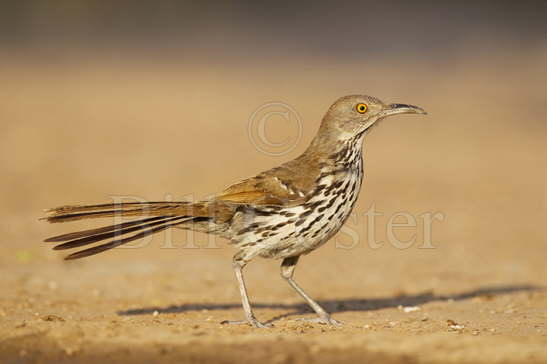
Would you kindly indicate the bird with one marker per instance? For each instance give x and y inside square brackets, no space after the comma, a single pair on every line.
[282,213]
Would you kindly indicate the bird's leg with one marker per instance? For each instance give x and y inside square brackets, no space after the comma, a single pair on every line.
[249,316]
[287,270]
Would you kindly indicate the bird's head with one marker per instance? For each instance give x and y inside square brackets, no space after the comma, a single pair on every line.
[352,115]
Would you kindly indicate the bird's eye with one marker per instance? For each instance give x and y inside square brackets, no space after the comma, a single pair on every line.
[361,108]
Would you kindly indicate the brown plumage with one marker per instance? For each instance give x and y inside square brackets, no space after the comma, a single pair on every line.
[281,213]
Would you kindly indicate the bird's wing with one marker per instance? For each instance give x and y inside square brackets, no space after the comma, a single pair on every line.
[287,185]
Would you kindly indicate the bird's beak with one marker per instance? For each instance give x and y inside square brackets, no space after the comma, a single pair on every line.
[393,109]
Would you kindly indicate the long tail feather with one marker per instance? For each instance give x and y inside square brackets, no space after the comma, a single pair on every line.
[98,237]
[115,243]
[155,217]
[83,233]
[69,209]
[72,213]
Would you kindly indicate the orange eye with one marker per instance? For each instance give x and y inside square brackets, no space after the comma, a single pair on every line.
[361,108]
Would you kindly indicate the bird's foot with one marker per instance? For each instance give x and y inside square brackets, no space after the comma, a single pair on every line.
[252,321]
[323,320]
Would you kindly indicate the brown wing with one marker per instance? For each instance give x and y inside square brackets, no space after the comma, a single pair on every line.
[286,185]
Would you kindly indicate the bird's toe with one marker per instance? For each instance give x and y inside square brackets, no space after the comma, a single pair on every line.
[325,320]
[253,322]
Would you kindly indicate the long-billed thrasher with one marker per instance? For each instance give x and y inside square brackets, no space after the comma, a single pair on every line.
[281,213]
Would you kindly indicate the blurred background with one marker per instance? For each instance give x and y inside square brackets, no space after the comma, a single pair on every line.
[154,100]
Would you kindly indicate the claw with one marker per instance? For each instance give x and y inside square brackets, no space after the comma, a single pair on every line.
[253,322]
[325,320]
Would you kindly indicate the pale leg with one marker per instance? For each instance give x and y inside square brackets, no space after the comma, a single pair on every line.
[249,316]
[287,270]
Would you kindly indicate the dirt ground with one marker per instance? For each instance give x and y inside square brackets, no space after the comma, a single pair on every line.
[82,131]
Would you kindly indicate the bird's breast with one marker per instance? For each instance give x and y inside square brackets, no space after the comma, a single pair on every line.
[276,232]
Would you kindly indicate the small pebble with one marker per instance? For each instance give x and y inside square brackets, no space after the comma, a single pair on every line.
[408,309]
[52,318]
[452,325]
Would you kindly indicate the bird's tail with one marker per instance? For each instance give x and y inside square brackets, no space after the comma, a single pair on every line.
[153,217]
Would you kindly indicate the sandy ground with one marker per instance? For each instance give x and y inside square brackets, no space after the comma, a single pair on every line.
[82,132]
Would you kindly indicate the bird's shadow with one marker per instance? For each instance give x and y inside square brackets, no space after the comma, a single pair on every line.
[343,305]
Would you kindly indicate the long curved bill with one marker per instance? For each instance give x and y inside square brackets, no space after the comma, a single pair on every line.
[393,109]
